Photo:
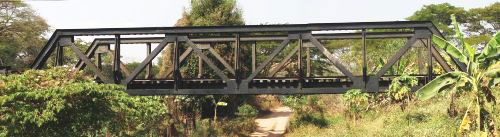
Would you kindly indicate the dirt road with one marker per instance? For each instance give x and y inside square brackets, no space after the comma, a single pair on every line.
[273,124]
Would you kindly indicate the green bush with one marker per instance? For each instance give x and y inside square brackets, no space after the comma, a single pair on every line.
[356,102]
[247,111]
[63,102]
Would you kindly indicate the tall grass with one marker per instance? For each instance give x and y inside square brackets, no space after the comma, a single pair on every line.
[424,118]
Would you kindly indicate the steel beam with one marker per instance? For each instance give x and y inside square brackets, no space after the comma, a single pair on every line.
[363,39]
[396,57]
[254,50]
[221,60]
[89,53]
[330,56]
[148,59]
[230,84]
[149,68]
[177,72]
[181,59]
[283,62]
[438,57]
[326,36]
[249,28]
[237,65]
[59,55]
[98,72]
[116,61]
[123,67]
[268,60]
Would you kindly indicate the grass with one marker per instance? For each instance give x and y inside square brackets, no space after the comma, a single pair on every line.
[420,118]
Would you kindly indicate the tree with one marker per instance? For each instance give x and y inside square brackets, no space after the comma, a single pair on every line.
[21,31]
[201,13]
[479,19]
[480,23]
[439,15]
[481,77]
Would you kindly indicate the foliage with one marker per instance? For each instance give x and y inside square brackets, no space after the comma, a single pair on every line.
[480,23]
[63,102]
[419,119]
[21,31]
[303,104]
[480,78]
[400,89]
[247,111]
[356,102]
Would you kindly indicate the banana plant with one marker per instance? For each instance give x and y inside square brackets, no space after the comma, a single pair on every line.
[480,79]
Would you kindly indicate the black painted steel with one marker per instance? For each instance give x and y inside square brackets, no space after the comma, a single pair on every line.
[242,80]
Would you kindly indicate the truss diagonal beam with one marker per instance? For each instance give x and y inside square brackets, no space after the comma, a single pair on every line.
[183,56]
[396,57]
[122,66]
[265,63]
[148,59]
[45,52]
[438,57]
[198,51]
[98,72]
[283,62]
[89,53]
[330,56]
[219,57]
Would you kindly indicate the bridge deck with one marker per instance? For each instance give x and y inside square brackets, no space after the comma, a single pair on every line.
[324,85]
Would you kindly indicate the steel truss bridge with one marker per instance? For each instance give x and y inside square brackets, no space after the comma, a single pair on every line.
[231,78]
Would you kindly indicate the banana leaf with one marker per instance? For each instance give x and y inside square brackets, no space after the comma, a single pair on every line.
[449,48]
[468,50]
[432,88]
[490,51]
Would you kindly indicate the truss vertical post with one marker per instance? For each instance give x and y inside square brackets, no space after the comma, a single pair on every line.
[176,65]
[363,38]
[99,61]
[299,60]
[254,50]
[308,62]
[116,63]
[419,60]
[59,55]
[150,65]
[429,47]
[99,64]
[200,67]
[237,65]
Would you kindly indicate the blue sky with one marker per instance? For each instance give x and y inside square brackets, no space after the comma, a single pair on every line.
[158,13]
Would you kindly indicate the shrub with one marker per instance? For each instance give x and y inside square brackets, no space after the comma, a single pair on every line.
[247,111]
[63,102]
[356,102]
[400,89]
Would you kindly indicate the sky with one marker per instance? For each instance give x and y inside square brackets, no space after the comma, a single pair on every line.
[68,14]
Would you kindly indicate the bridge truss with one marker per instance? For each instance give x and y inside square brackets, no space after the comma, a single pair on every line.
[236,77]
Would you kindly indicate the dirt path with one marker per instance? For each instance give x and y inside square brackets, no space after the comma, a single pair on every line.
[273,124]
